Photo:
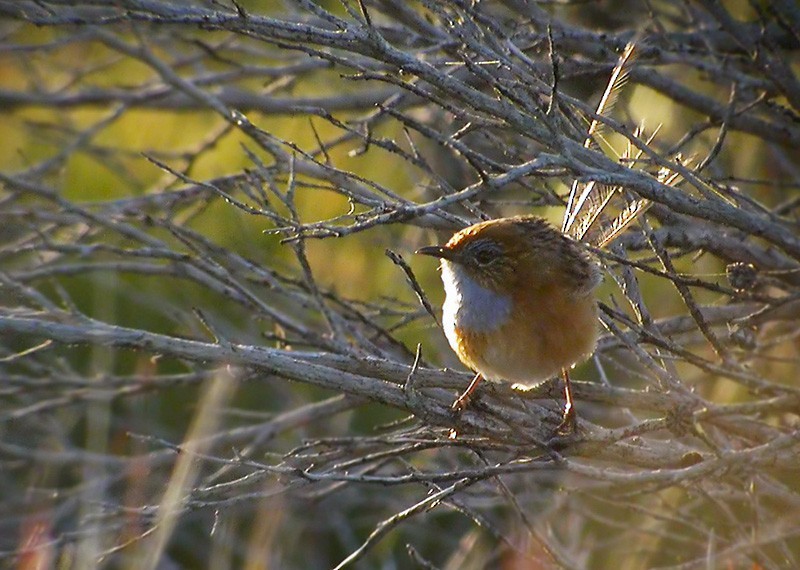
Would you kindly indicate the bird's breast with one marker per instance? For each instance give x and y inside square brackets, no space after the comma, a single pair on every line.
[470,306]
[521,339]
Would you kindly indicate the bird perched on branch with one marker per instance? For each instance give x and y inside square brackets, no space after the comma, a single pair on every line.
[519,304]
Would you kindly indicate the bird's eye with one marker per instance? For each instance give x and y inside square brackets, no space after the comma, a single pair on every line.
[485,256]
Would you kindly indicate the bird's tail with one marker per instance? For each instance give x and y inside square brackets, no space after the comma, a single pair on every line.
[597,213]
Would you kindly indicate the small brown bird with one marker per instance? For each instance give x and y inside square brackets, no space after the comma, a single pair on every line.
[519,306]
[519,303]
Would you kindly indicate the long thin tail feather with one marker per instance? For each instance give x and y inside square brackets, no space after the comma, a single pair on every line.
[579,196]
[597,213]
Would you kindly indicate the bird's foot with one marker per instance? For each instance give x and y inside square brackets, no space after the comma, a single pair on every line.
[569,423]
[461,402]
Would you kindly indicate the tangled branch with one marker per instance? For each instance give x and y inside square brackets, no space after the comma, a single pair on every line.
[201,335]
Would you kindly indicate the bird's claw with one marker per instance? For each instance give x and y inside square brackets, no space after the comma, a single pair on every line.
[569,423]
[461,403]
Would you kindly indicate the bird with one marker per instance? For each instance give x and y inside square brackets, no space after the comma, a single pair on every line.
[519,293]
[519,303]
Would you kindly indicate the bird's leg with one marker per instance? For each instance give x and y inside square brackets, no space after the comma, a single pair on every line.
[568,424]
[463,400]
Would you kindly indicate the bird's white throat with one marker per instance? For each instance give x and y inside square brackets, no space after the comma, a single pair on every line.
[468,305]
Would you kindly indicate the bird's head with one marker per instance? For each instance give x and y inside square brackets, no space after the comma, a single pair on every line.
[501,254]
[517,255]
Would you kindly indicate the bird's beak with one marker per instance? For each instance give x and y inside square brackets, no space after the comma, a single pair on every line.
[439,251]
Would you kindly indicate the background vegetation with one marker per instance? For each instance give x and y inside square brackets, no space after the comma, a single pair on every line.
[209,358]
